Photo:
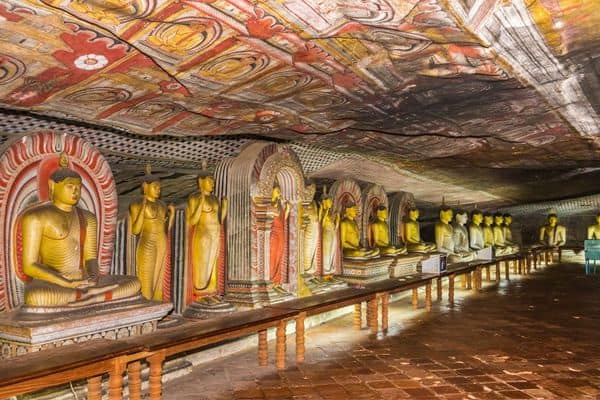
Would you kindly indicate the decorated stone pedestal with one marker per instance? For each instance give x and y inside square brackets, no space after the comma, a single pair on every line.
[433,263]
[366,271]
[404,265]
[31,329]
[60,185]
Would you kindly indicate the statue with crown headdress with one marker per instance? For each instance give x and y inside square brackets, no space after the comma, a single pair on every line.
[151,220]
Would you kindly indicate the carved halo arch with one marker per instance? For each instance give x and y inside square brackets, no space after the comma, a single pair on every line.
[373,196]
[400,203]
[343,192]
[25,166]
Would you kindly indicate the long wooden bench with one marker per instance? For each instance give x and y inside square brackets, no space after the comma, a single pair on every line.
[91,359]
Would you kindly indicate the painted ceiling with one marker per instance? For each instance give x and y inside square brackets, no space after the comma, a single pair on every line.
[494,100]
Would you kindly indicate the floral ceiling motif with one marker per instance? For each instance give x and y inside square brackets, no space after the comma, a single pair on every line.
[487,84]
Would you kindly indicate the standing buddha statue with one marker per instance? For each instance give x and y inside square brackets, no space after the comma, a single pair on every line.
[281,211]
[311,238]
[151,219]
[59,250]
[412,234]
[380,234]
[205,215]
[350,234]
[330,223]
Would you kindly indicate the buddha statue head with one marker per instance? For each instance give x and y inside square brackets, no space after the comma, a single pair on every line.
[381,213]
[326,200]
[552,219]
[461,217]
[476,217]
[206,182]
[151,185]
[413,214]
[276,193]
[446,214]
[350,211]
[507,219]
[598,218]
[488,219]
[498,219]
[64,185]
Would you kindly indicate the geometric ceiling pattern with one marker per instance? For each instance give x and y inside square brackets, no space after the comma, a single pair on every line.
[486,96]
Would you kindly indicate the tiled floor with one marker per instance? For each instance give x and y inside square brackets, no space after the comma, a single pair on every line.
[536,337]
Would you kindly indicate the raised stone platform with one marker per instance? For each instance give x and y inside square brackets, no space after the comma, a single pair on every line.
[31,329]
[433,263]
[404,265]
[366,271]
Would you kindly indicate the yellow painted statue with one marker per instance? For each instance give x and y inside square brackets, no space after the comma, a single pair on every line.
[151,219]
[330,223]
[444,238]
[501,247]
[412,234]
[60,247]
[488,230]
[552,234]
[476,241]
[205,215]
[379,231]
[593,231]
[508,236]
[350,237]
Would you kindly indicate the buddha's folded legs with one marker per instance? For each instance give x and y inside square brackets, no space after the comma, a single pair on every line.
[40,293]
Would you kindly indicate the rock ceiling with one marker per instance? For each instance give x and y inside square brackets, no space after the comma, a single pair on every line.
[497,99]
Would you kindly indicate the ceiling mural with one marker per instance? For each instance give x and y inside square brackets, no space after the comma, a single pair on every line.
[487,96]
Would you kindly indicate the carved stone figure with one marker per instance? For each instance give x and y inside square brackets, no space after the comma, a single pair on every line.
[151,220]
[444,238]
[330,223]
[552,234]
[350,237]
[281,211]
[380,234]
[500,245]
[412,234]
[311,238]
[59,252]
[593,231]
[476,241]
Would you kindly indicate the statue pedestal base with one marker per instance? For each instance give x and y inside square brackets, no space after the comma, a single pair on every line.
[318,285]
[404,265]
[204,309]
[366,271]
[433,264]
[486,254]
[254,294]
[31,329]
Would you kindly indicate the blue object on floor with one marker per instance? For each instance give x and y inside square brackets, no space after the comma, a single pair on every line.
[592,254]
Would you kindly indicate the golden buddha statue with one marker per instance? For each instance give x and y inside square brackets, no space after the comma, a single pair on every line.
[444,238]
[59,250]
[476,241]
[552,234]
[151,219]
[311,238]
[412,234]
[330,223]
[593,231]
[500,245]
[508,237]
[380,234]
[280,210]
[205,215]
[488,231]
[461,235]
[350,234]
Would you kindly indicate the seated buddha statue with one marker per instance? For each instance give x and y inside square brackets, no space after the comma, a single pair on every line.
[412,234]
[461,235]
[593,231]
[552,234]
[350,237]
[444,238]
[476,241]
[59,250]
[151,220]
[500,245]
[380,234]
[488,230]
[508,236]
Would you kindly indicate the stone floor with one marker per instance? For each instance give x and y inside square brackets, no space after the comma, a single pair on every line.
[535,337]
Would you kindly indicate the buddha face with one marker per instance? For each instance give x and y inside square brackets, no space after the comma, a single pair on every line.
[598,219]
[477,218]
[207,184]
[152,189]
[67,191]
[446,216]
[276,193]
[461,219]
[327,203]
[552,220]
[351,212]
[413,215]
[498,220]
[507,220]
[488,219]
[382,214]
